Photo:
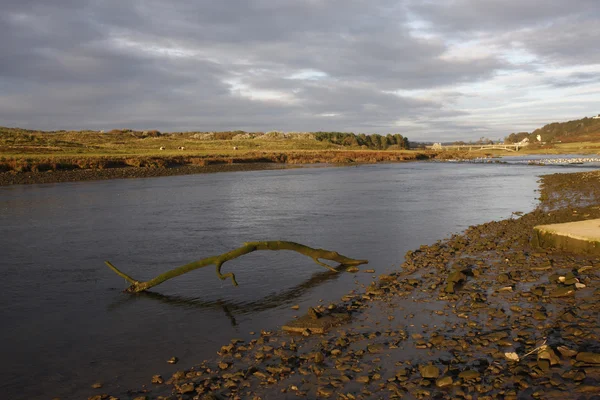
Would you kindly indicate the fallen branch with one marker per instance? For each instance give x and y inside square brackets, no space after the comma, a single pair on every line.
[249,247]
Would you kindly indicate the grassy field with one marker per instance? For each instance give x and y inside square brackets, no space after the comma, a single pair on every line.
[23,151]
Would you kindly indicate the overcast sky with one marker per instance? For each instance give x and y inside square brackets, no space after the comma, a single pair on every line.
[430,70]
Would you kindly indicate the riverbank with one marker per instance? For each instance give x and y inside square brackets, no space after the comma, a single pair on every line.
[478,315]
[80,175]
[21,171]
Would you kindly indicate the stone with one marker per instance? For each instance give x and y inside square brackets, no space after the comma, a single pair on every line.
[589,358]
[157,379]
[550,355]
[319,324]
[444,382]
[324,392]
[469,375]
[375,348]
[186,388]
[429,371]
[562,291]
[319,358]
[566,352]
[173,360]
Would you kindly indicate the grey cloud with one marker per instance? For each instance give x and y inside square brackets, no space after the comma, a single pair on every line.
[101,64]
[467,16]
[575,79]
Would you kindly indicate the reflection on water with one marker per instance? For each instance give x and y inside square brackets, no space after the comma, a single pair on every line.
[67,323]
[229,307]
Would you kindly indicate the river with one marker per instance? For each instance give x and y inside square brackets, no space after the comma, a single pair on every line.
[67,324]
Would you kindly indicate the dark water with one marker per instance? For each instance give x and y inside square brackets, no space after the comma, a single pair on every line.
[66,323]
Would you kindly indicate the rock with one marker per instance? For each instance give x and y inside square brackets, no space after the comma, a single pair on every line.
[224,365]
[589,358]
[550,355]
[319,358]
[97,385]
[363,379]
[566,352]
[538,290]
[469,375]
[173,360]
[574,374]
[227,349]
[456,277]
[562,291]
[324,392]
[444,382]
[375,348]
[539,315]
[584,269]
[429,371]
[157,380]
[295,307]
[313,313]
[352,269]
[186,388]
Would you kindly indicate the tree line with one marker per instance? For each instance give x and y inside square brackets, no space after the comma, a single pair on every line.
[373,141]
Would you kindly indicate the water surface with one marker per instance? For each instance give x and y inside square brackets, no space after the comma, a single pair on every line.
[67,324]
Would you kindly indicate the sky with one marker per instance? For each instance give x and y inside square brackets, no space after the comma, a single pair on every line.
[431,70]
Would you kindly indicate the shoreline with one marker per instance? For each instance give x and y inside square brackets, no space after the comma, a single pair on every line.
[448,324]
[23,172]
[84,175]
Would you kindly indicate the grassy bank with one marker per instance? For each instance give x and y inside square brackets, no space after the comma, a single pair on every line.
[43,157]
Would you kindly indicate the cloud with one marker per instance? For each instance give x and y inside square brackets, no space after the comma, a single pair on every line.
[421,68]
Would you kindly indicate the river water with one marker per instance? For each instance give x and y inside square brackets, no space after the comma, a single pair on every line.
[67,324]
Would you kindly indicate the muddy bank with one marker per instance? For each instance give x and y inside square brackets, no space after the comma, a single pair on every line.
[22,170]
[478,315]
[57,176]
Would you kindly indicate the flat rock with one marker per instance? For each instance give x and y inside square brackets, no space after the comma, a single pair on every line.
[429,371]
[590,358]
[581,237]
[316,325]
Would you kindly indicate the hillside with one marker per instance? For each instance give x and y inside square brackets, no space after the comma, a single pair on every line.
[16,141]
[580,130]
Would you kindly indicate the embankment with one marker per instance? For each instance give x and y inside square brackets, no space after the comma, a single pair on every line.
[22,170]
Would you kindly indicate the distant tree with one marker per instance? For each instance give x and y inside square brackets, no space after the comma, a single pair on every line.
[516,137]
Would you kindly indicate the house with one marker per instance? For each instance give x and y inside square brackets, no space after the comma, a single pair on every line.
[596,117]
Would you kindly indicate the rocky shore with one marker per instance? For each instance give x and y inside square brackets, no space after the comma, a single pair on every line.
[481,315]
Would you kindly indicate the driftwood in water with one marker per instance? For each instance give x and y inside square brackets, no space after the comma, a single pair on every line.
[249,247]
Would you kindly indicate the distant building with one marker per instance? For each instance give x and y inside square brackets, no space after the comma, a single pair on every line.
[596,117]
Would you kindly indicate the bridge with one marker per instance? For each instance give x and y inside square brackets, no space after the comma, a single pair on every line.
[476,147]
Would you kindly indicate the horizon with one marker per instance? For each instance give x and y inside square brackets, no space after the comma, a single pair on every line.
[432,71]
